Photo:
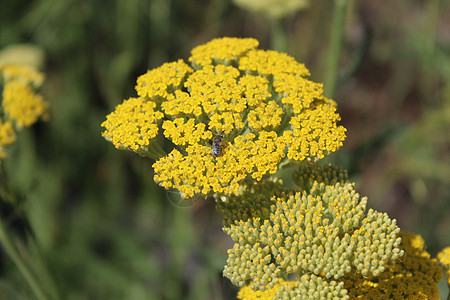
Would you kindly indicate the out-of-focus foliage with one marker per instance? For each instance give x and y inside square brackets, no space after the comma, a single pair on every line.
[108,232]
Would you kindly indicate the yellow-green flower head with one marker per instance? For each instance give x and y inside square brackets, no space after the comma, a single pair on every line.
[325,231]
[273,8]
[304,288]
[260,102]
[414,276]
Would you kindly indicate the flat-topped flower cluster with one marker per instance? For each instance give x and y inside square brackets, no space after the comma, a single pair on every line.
[261,102]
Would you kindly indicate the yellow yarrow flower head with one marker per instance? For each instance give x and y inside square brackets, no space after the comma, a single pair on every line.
[273,8]
[414,276]
[259,106]
[322,231]
[21,106]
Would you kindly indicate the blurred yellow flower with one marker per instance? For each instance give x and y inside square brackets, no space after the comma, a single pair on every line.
[262,104]
[273,8]
[22,73]
[20,106]
[29,55]
[7,136]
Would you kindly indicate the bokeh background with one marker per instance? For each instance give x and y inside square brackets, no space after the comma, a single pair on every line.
[101,226]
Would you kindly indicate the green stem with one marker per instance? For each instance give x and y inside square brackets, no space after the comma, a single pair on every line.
[334,48]
[428,45]
[161,29]
[12,252]
[279,37]
[158,149]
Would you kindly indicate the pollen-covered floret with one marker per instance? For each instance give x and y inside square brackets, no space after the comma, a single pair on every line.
[324,231]
[268,113]
[414,276]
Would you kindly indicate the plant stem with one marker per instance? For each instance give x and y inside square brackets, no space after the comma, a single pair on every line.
[334,48]
[158,149]
[279,37]
[12,252]
[428,36]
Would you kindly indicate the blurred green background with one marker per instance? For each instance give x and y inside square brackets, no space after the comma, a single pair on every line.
[104,230]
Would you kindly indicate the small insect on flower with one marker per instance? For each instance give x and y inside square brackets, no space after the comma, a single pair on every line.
[216,145]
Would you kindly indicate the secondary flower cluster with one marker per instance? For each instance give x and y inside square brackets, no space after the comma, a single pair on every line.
[415,276]
[260,102]
[21,106]
[322,230]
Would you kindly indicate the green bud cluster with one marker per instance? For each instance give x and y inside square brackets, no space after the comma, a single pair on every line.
[323,230]
[312,287]
[253,200]
[308,173]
